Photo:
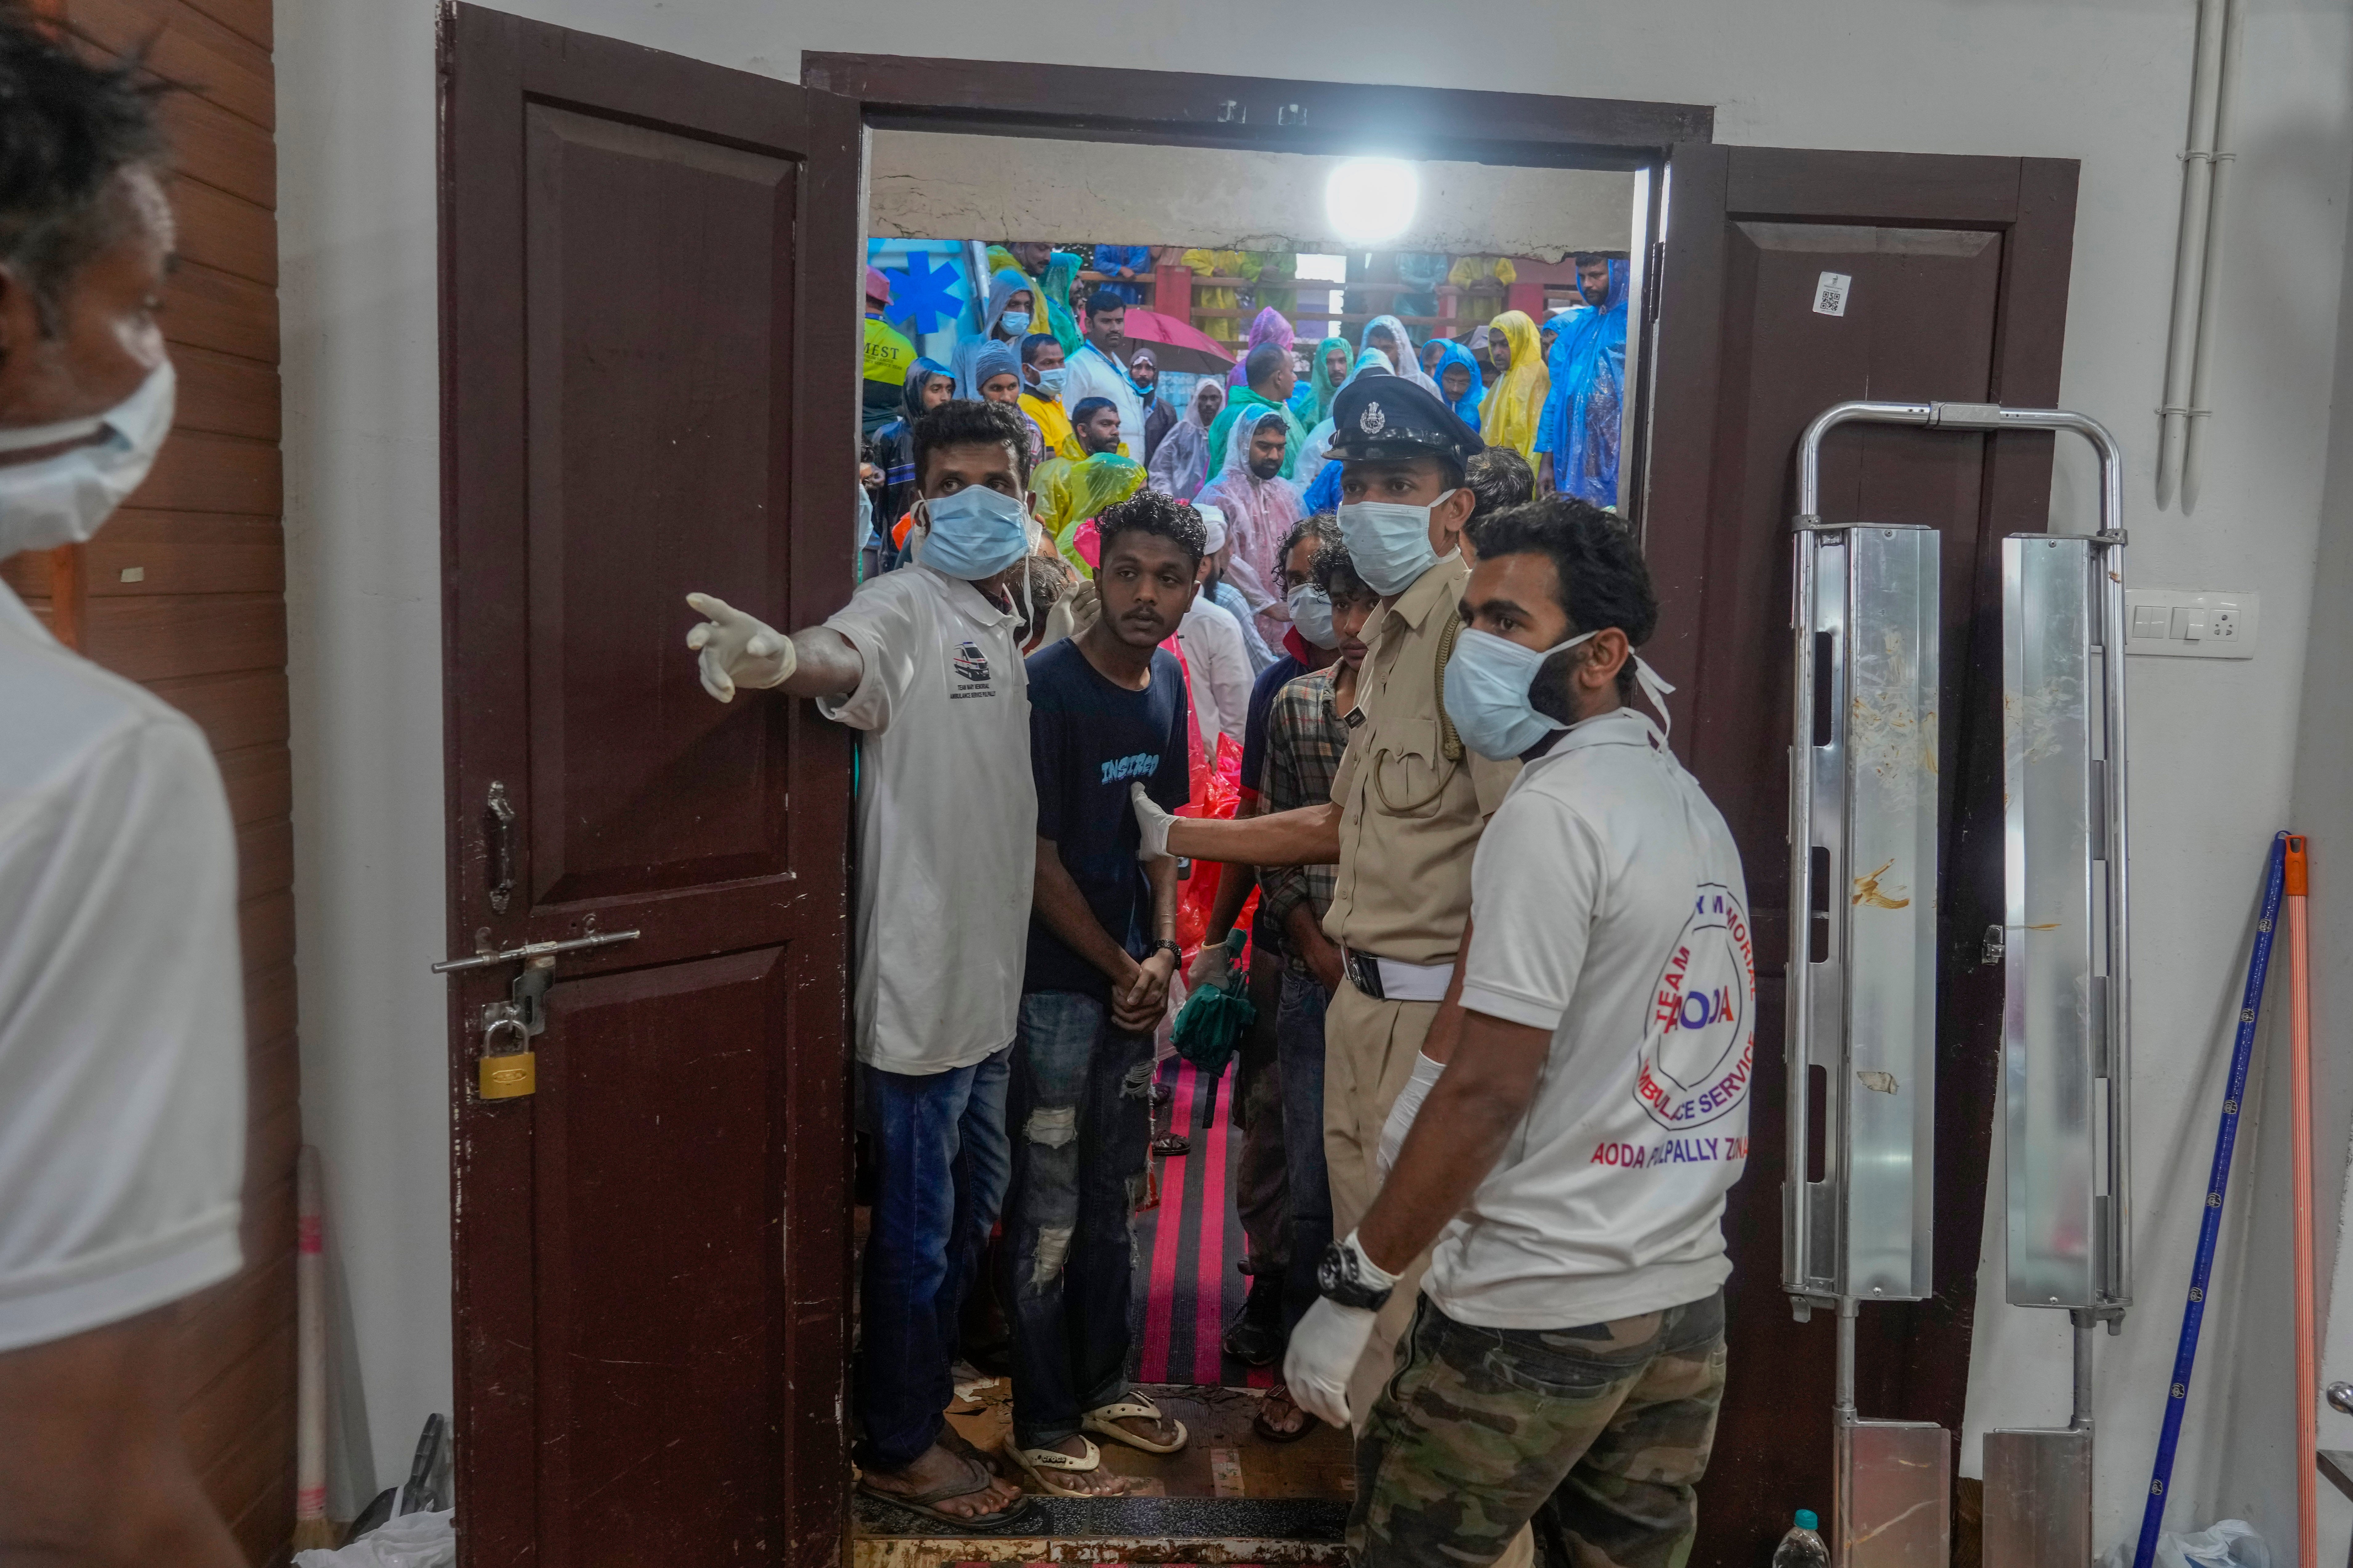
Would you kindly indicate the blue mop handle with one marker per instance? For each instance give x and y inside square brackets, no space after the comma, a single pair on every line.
[2210,1225]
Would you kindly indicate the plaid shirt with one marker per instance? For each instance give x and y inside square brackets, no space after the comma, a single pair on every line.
[1305,738]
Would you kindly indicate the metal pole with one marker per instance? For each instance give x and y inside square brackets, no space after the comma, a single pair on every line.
[1842,1386]
[2079,1417]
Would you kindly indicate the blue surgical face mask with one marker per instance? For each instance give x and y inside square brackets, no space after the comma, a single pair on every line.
[1015,322]
[1389,541]
[1311,612]
[973,534]
[1049,382]
[1487,682]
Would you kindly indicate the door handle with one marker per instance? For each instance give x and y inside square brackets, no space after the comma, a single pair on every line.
[498,846]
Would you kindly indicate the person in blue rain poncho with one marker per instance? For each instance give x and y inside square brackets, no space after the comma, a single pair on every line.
[1122,267]
[1463,398]
[1577,437]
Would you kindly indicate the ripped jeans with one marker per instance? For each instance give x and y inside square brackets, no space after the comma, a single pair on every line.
[1080,1114]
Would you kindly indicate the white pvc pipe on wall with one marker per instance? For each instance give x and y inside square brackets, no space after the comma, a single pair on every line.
[2210,269]
[2190,246]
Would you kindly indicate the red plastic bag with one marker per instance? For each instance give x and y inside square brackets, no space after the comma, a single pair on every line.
[1216,792]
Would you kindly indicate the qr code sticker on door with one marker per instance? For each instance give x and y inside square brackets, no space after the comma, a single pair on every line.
[1829,294]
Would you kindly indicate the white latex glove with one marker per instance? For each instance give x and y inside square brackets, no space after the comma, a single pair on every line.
[1153,820]
[1325,1350]
[1213,965]
[1329,1342]
[737,649]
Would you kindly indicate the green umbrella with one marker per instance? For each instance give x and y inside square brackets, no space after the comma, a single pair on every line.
[1211,1024]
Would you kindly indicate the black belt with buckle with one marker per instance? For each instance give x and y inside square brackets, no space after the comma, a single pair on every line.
[1365,971]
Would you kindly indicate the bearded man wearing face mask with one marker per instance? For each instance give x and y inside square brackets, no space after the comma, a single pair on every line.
[925,663]
[122,1018]
[1587,1108]
[1407,802]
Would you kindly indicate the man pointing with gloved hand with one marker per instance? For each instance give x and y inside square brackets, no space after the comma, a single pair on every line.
[925,663]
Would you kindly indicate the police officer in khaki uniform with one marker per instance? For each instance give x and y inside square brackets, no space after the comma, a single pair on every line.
[1407,804]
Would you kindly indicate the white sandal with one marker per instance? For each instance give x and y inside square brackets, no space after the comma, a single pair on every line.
[1037,1462]
[1105,1419]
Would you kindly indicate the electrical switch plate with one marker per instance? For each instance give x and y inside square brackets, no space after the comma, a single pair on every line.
[2171,622]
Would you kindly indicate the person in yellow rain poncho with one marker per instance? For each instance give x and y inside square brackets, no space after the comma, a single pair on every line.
[1069,493]
[1218,264]
[1478,276]
[1515,404]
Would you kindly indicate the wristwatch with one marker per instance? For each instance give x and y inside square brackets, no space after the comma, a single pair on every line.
[1168,946]
[1336,1277]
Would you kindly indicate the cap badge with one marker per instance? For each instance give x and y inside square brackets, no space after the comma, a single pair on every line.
[1373,421]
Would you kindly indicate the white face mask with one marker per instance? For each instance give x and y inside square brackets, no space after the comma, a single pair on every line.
[1389,542]
[1311,612]
[65,499]
[1049,382]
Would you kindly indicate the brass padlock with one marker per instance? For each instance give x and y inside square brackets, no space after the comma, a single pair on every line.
[511,1075]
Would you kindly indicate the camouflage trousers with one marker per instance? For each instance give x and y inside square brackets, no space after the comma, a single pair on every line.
[1595,1436]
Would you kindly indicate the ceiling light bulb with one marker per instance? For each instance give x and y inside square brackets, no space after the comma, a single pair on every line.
[1371,198]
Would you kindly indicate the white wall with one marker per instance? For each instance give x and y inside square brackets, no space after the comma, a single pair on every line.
[361,362]
[2213,746]
[927,186]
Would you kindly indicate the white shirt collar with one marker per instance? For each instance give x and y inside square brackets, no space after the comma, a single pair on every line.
[964,599]
[1618,727]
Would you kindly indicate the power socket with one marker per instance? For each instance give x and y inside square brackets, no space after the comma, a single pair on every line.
[2169,623]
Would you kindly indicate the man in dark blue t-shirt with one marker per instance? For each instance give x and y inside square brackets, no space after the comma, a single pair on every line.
[1107,711]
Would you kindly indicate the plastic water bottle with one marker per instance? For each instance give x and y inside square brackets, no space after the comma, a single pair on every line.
[1802,1547]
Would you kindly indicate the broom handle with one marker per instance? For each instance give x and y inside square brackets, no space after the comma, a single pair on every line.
[310,1353]
[2210,1224]
[2308,1377]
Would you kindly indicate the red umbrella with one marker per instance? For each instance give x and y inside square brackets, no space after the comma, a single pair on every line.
[1178,345]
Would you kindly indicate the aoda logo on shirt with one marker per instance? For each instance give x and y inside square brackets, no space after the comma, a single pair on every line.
[1699,1043]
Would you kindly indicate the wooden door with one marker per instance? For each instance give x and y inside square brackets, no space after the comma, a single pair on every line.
[650,288]
[1957,270]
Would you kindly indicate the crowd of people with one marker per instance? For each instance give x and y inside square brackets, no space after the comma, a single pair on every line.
[1496,937]
[1048,342]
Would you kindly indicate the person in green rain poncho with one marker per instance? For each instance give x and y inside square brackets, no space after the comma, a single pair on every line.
[1334,360]
[1272,378]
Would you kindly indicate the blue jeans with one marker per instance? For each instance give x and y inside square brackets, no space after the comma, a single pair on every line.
[942,1160]
[1081,1103]
[1299,1050]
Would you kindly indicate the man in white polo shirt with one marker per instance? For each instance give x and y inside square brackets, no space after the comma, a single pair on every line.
[1566,1355]
[925,663]
[122,1018]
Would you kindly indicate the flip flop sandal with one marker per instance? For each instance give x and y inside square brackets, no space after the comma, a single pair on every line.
[1272,1433]
[1039,1465]
[920,1503]
[1105,1419]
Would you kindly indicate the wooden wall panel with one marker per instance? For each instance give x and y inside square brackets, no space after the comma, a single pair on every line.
[184,592]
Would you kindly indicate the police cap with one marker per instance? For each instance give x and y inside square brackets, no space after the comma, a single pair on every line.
[1387,417]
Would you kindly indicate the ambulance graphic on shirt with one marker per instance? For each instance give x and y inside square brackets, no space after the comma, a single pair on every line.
[969,671]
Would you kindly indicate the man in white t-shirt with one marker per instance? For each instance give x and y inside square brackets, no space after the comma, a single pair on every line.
[1567,1355]
[121,1019]
[1100,369]
[925,663]
[1217,660]
[121,1010]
